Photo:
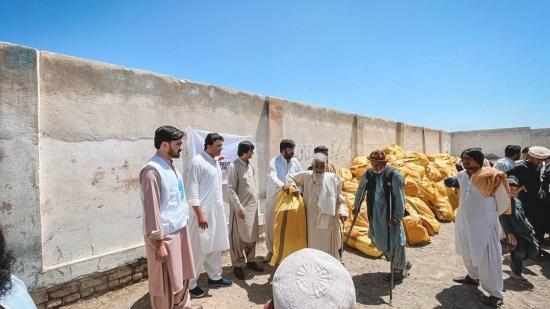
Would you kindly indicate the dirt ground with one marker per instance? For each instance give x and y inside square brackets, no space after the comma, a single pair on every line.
[429,286]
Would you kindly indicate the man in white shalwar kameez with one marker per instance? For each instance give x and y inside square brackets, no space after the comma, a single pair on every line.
[207,224]
[484,195]
[324,205]
[279,167]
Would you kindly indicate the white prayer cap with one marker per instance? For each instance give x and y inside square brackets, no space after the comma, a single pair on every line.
[310,278]
[320,157]
[539,152]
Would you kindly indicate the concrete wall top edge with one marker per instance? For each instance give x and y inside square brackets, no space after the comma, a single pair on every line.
[496,130]
[141,72]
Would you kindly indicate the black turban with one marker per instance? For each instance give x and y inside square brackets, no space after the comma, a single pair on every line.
[167,134]
[474,153]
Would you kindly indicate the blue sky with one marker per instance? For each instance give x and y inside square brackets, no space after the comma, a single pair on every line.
[452,65]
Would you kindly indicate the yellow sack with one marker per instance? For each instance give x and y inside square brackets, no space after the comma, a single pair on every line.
[436,172]
[344,173]
[350,186]
[453,195]
[360,160]
[290,228]
[414,230]
[426,215]
[412,188]
[358,170]
[360,240]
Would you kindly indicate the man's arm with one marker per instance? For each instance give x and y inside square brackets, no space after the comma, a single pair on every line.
[502,200]
[341,204]
[272,175]
[296,179]
[149,180]
[232,188]
[398,196]
[194,174]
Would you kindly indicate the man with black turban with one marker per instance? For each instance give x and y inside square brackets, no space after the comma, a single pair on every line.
[484,195]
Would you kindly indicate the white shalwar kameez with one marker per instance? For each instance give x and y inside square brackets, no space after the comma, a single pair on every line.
[477,236]
[205,191]
[279,168]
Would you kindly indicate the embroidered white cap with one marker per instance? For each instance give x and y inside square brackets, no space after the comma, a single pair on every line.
[310,278]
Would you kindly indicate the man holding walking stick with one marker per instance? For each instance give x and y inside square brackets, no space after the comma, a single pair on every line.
[385,209]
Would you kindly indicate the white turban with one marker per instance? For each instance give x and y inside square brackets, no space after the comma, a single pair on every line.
[312,279]
[539,152]
[320,157]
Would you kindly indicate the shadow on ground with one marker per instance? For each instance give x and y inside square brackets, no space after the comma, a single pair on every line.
[460,296]
[371,287]
[143,302]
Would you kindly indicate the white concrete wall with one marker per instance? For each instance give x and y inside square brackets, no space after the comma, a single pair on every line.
[311,126]
[374,133]
[494,141]
[19,183]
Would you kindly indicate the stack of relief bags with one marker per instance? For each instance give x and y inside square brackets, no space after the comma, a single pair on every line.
[427,200]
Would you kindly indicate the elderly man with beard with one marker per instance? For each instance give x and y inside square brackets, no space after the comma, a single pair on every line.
[165,215]
[384,192]
[484,196]
[324,205]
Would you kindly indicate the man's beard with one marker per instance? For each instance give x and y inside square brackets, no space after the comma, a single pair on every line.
[174,154]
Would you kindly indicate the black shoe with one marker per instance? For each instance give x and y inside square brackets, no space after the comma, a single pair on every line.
[492,301]
[196,292]
[223,282]
[267,258]
[239,273]
[466,280]
[254,266]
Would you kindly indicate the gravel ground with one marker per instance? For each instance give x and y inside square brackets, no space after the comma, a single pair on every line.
[429,286]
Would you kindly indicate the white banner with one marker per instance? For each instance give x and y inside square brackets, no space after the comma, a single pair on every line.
[195,144]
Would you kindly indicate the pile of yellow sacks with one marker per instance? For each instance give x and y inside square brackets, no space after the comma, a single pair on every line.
[427,200]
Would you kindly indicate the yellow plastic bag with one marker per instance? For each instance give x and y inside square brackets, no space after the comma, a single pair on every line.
[290,228]
[416,233]
[360,240]
[426,215]
[344,173]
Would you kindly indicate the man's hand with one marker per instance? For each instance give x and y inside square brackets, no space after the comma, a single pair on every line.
[241,213]
[393,221]
[203,221]
[511,239]
[356,211]
[161,253]
[343,218]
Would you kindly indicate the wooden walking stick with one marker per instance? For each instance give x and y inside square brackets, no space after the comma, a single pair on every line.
[355,216]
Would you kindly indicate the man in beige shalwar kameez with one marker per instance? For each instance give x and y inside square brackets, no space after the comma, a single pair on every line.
[243,217]
[165,214]
[324,206]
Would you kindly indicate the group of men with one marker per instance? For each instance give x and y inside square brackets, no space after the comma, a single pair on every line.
[514,192]
[185,227]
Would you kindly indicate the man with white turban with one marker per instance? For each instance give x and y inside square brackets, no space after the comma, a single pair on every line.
[324,205]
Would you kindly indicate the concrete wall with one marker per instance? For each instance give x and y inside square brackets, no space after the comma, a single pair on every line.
[75,134]
[19,157]
[311,126]
[494,141]
[413,138]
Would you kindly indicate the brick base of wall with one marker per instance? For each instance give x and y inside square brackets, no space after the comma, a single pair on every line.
[91,285]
